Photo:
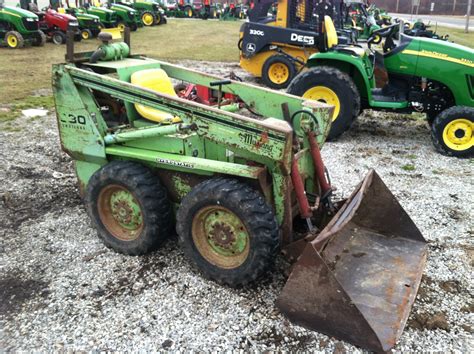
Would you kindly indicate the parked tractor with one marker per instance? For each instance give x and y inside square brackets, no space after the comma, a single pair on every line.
[420,29]
[416,75]
[19,27]
[126,16]
[107,17]
[52,23]
[240,189]
[179,9]
[150,11]
[89,25]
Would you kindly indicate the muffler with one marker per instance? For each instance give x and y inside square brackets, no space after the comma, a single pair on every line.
[358,278]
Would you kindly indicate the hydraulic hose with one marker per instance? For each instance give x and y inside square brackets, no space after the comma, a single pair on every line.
[98,54]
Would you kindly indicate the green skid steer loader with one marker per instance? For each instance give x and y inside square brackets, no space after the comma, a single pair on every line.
[239,187]
[416,75]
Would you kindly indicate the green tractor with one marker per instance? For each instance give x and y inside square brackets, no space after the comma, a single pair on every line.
[150,11]
[177,9]
[107,18]
[126,16]
[19,27]
[89,25]
[238,188]
[416,75]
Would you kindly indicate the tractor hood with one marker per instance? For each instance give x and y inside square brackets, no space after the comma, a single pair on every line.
[62,16]
[101,9]
[445,51]
[122,8]
[84,16]
[16,11]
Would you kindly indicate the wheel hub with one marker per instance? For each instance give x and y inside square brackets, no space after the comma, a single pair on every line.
[325,95]
[457,134]
[278,73]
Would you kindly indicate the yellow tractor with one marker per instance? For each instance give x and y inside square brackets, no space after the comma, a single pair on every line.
[275,45]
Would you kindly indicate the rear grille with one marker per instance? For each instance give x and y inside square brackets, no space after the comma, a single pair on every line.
[30,25]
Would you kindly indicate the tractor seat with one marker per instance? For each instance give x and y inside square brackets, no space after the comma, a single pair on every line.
[332,41]
[156,80]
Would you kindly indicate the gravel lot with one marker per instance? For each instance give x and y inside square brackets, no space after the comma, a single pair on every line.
[61,289]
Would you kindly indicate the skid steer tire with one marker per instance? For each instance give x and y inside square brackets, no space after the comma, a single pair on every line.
[452,132]
[332,86]
[277,72]
[128,207]
[228,231]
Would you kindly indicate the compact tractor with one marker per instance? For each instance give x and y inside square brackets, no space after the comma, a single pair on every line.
[89,25]
[420,29]
[276,47]
[107,18]
[19,27]
[413,74]
[52,23]
[150,11]
[174,8]
[126,16]
[239,186]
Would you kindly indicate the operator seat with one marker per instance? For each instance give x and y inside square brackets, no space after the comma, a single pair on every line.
[156,80]
[332,40]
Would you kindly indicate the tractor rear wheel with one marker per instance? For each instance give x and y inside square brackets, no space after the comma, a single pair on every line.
[228,231]
[14,40]
[159,20]
[278,71]
[148,19]
[188,12]
[331,86]
[58,38]
[86,34]
[128,207]
[40,39]
[452,132]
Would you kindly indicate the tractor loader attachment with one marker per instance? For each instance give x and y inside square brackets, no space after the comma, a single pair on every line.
[358,278]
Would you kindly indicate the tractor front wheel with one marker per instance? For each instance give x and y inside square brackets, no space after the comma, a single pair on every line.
[86,34]
[332,86]
[121,26]
[159,20]
[228,231]
[14,40]
[188,12]
[58,38]
[278,71]
[40,39]
[128,207]
[148,19]
[452,132]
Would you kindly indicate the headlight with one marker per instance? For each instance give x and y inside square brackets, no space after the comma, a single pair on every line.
[74,23]
[29,19]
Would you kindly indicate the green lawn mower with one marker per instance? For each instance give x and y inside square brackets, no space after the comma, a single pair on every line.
[416,75]
[19,27]
[239,189]
[150,11]
[107,17]
[126,16]
[89,25]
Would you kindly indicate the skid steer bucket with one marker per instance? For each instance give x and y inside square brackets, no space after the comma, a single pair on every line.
[358,279]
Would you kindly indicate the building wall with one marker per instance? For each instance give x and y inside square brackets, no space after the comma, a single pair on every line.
[440,7]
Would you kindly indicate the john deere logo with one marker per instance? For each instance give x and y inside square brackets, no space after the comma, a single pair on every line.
[251,47]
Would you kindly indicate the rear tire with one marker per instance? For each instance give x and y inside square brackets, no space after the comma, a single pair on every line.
[452,132]
[332,86]
[228,231]
[278,71]
[58,38]
[148,19]
[128,207]
[14,40]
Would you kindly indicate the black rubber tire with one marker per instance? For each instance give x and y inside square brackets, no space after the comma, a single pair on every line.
[152,15]
[252,210]
[342,85]
[58,37]
[158,19]
[164,20]
[77,37]
[150,194]
[19,39]
[439,124]
[273,60]
[40,39]
[87,33]
[133,27]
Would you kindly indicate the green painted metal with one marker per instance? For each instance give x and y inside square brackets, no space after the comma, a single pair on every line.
[107,17]
[120,202]
[17,19]
[208,142]
[127,15]
[85,20]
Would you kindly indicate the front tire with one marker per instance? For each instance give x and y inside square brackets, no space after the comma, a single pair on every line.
[128,207]
[278,71]
[148,19]
[452,132]
[332,86]
[14,40]
[188,12]
[58,38]
[86,34]
[228,231]
[40,39]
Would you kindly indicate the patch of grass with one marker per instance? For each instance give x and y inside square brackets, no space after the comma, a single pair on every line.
[26,70]
[411,157]
[408,167]
[456,35]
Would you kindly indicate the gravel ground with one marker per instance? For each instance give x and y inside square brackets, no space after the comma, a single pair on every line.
[61,289]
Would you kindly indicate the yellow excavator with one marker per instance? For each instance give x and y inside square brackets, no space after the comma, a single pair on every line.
[274,46]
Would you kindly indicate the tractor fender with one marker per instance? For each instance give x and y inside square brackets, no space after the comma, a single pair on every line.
[352,65]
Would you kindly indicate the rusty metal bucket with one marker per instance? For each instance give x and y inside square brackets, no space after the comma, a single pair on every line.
[358,279]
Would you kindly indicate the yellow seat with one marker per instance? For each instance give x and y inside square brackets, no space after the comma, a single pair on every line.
[61,10]
[331,34]
[156,80]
